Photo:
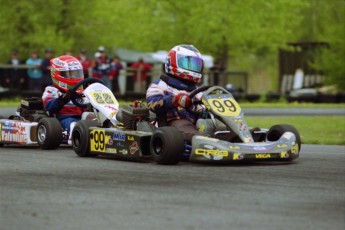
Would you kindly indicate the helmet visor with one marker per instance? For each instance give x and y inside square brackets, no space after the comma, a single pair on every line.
[190,63]
[73,74]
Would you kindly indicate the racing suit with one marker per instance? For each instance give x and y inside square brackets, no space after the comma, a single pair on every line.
[160,96]
[67,114]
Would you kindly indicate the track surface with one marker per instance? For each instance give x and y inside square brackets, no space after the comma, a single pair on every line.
[57,190]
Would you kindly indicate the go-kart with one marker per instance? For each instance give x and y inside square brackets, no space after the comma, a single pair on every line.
[32,125]
[230,139]
[132,132]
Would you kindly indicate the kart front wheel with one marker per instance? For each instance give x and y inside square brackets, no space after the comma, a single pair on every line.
[167,145]
[49,133]
[276,131]
[81,138]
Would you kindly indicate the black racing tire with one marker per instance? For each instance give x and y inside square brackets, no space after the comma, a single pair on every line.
[276,131]
[49,133]
[167,146]
[81,138]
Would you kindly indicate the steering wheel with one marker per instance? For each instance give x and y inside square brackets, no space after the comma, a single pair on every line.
[207,90]
[77,98]
[196,91]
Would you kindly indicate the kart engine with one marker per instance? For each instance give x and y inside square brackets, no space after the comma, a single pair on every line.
[129,115]
[32,109]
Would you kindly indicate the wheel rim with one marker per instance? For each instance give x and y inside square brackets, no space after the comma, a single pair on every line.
[42,133]
[76,139]
[158,146]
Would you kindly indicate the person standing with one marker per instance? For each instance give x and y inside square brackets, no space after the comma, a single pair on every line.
[45,68]
[142,69]
[35,72]
[115,67]
[85,62]
[101,67]
[14,78]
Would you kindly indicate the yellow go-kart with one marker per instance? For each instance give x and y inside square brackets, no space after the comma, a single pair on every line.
[227,137]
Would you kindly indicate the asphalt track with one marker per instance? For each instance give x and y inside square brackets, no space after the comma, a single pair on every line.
[43,190]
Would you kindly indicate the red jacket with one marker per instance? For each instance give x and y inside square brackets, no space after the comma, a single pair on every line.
[51,103]
[86,63]
[145,68]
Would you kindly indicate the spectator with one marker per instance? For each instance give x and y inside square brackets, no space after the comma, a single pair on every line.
[142,70]
[14,78]
[45,67]
[101,67]
[115,67]
[35,72]
[85,62]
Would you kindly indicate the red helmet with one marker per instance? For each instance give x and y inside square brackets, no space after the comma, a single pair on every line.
[66,72]
[185,62]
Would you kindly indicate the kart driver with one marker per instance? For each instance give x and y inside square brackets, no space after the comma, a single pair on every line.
[66,72]
[169,98]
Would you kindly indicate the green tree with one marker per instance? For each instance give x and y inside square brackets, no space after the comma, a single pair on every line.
[243,34]
[327,24]
[27,25]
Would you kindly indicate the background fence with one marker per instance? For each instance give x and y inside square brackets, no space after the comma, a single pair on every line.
[14,81]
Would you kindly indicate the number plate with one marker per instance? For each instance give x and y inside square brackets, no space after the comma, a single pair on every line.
[224,106]
[103,98]
[97,141]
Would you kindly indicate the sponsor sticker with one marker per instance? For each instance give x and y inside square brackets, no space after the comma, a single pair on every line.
[123,151]
[282,146]
[262,155]
[13,131]
[294,149]
[234,147]
[259,148]
[237,156]
[111,150]
[134,147]
[284,155]
[212,152]
[119,137]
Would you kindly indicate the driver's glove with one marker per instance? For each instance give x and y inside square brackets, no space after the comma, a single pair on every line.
[66,97]
[182,100]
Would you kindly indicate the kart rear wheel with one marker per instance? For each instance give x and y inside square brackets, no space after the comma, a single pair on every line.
[81,138]
[167,145]
[49,133]
[276,131]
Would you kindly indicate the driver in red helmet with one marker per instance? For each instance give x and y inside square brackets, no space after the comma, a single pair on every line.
[169,98]
[66,72]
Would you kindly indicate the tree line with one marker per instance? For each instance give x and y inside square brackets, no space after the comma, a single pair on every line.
[240,34]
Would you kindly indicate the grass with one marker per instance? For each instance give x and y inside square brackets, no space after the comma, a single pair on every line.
[10,102]
[291,105]
[326,130]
